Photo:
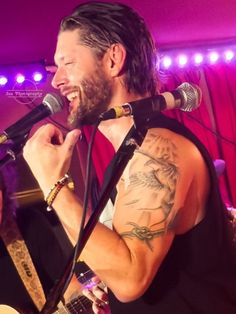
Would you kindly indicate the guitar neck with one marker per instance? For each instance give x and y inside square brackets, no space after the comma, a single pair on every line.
[80,304]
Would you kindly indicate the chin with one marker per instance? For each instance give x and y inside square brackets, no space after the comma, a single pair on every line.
[78,123]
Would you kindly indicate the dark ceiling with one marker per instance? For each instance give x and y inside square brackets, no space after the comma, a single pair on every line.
[29,28]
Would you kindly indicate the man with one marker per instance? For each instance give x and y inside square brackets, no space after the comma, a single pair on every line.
[164,251]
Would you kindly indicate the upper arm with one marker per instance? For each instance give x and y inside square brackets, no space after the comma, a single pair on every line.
[146,207]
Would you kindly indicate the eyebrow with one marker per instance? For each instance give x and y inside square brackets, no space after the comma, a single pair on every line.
[59,59]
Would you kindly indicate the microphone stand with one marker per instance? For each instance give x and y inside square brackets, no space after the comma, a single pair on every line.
[133,140]
[13,149]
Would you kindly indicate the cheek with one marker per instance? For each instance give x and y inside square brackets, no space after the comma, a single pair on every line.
[77,73]
[76,79]
[73,78]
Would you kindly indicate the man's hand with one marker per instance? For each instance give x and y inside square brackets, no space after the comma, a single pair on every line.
[98,295]
[48,154]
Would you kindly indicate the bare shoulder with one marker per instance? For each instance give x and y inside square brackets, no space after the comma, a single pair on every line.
[164,142]
[147,189]
[175,149]
[181,161]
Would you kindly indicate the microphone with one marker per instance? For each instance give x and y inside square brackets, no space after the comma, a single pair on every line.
[186,97]
[52,103]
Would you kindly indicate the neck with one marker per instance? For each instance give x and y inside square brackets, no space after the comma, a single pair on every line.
[116,130]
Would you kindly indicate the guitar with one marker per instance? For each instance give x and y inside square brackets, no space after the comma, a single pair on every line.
[79,304]
[5,309]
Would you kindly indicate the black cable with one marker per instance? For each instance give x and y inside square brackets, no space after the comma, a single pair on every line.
[210,130]
[87,193]
[61,285]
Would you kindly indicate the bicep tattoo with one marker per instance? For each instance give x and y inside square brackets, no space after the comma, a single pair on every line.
[143,233]
[153,188]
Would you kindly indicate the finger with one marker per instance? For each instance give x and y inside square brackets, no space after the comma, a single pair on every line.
[51,134]
[71,139]
[96,295]
[45,134]
[101,308]
[96,280]
[100,294]
[100,305]
[88,293]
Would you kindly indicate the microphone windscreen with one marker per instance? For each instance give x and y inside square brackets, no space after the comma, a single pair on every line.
[54,102]
[191,96]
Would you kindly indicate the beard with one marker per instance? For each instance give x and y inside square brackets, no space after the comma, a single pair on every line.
[94,96]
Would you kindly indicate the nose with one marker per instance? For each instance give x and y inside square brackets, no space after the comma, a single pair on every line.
[59,78]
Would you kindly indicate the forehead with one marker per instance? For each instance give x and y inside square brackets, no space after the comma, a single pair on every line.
[68,46]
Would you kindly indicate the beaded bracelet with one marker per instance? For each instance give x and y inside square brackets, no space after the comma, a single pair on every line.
[55,190]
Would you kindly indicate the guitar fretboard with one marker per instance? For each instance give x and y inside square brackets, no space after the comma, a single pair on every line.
[80,304]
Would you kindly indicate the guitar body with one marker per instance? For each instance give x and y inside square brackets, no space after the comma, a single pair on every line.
[76,302]
[5,309]
[80,305]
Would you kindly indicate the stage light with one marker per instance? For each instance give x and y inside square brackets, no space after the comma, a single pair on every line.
[166,62]
[228,55]
[213,57]
[197,55]
[182,60]
[3,80]
[20,78]
[198,58]
[37,76]
[31,73]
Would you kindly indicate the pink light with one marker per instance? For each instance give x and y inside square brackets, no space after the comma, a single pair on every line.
[166,62]
[3,80]
[198,58]
[228,55]
[20,78]
[213,57]
[182,60]
[37,76]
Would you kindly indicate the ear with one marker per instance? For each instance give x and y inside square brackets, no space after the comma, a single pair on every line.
[116,59]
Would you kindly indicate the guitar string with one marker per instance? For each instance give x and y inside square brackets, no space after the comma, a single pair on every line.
[78,304]
[81,303]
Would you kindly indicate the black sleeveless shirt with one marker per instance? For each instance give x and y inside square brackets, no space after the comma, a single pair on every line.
[198,275]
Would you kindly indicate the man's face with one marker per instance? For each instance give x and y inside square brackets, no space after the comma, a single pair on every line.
[82,78]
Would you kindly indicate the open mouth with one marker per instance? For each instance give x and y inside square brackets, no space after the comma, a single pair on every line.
[72,96]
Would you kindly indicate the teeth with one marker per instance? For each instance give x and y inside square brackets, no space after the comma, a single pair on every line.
[72,96]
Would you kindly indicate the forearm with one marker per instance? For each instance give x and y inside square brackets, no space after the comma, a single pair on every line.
[105,252]
[69,210]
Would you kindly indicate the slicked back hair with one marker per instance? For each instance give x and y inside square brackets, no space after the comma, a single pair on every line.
[102,24]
